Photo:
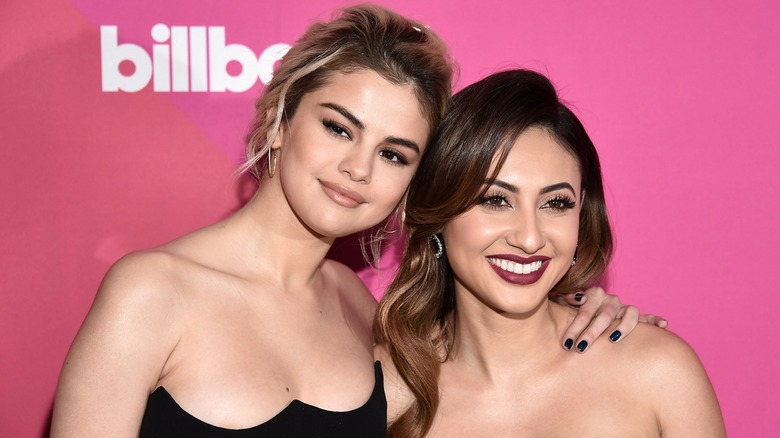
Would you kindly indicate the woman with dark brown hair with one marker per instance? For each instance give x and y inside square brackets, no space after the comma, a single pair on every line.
[507,209]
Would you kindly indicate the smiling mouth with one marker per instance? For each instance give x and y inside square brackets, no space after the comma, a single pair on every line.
[514,267]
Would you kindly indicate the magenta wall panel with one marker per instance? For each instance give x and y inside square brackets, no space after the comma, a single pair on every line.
[122,123]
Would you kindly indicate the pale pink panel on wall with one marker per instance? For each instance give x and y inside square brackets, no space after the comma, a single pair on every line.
[86,177]
[679,98]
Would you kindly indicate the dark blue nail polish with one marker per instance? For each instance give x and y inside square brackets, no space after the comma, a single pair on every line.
[578,296]
[615,336]
[582,346]
[568,344]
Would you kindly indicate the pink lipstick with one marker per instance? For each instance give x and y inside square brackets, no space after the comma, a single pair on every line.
[342,195]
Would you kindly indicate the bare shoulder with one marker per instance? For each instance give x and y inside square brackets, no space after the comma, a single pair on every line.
[659,349]
[657,357]
[144,282]
[135,307]
[352,289]
[161,275]
[667,371]
[120,350]
[347,278]
[142,272]
[399,396]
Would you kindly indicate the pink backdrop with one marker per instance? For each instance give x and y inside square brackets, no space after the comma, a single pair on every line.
[680,98]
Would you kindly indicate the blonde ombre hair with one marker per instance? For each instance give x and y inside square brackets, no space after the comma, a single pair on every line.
[364,37]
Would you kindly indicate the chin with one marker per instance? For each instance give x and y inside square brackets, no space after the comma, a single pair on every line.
[516,308]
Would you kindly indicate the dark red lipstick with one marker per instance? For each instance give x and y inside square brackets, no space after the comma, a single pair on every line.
[519,279]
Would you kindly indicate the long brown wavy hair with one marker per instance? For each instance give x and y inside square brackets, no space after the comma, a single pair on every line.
[416,316]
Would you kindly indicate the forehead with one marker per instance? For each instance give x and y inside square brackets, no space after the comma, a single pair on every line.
[536,158]
[375,101]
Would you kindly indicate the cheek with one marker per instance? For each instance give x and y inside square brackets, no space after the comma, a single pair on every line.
[469,236]
[389,187]
[566,234]
[298,156]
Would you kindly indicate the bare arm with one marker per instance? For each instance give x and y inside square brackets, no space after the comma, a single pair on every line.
[119,352]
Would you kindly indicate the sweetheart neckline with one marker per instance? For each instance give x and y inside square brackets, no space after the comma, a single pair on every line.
[377,377]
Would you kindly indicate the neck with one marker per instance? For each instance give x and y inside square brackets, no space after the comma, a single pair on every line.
[273,243]
[495,344]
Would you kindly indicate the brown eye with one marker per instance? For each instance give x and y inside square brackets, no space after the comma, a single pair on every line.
[560,203]
[393,157]
[336,129]
[494,201]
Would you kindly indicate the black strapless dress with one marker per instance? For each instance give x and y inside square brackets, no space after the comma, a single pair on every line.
[165,418]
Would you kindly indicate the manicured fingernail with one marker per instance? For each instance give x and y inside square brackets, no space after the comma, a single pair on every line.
[567,345]
[615,336]
[582,346]
[578,296]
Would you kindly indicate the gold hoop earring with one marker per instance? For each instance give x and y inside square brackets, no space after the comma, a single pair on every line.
[272,163]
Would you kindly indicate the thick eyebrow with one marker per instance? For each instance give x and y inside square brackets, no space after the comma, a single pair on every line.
[403,142]
[345,112]
[505,185]
[398,141]
[559,186]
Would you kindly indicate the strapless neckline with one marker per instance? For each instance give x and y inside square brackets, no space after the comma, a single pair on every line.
[163,408]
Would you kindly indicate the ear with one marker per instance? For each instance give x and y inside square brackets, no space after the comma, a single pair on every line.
[278,138]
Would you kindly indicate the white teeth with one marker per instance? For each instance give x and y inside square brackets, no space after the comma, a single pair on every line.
[517,268]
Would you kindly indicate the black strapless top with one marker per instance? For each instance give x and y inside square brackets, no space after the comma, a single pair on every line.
[165,418]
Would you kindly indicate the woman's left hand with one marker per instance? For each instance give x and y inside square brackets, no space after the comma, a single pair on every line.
[597,310]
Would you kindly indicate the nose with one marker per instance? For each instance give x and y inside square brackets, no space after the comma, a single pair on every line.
[524,232]
[358,164]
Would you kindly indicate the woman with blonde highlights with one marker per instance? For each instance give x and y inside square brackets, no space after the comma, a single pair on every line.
[244,327]
[507,209]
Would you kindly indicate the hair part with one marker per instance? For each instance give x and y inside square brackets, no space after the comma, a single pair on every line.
[416,317]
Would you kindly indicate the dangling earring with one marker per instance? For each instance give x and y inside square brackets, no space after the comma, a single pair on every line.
[574,259]
[438,246]
[272,157]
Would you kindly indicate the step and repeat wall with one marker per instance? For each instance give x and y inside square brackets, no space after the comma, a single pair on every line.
[122,124]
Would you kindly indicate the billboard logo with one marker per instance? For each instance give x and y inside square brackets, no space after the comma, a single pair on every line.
[184,58]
